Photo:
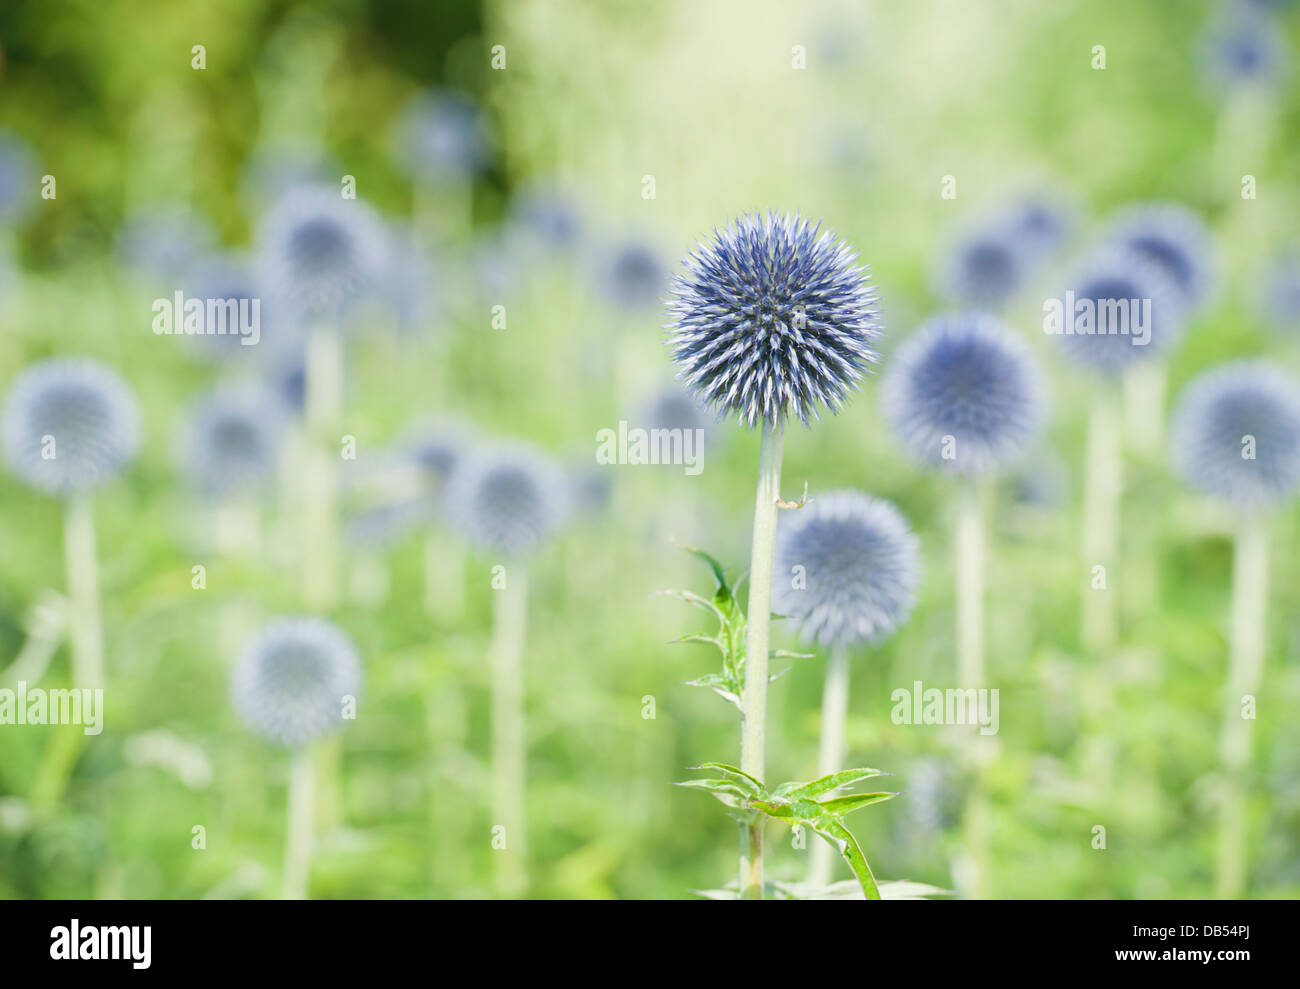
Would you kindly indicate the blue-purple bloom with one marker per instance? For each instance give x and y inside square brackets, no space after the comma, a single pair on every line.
[1245,46]
[964,394]
[436,446]
[1172,237]
[548,214]
[983,267]
[508,499]
[632,275]
[294,680]
[70,425]
[231,441]
[772,319]
[19,190]
[1236,434]
[164,242]
[846,569]
[1281,290]
[443,132]
[227,276]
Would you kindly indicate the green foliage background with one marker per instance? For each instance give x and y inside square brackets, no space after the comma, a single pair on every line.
[703,97]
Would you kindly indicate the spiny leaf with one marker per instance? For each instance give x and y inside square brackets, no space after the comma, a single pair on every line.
[733,771]
[690,597]
[825,784]
[841,838]
[852,801]
[719,574]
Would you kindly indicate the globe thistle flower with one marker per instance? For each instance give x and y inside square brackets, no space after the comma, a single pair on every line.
[1243,47]
[632,275]
[861,566]
[549,215]
[964,394]
[983,267]
[1281,290]
[438,445]
[321,253]
[771,320]
[1176,240]
[673,408]
[227,276]
[231,441]
[69,426]
[293,680]
[1236,434]
[18,187]
[163,243]
[443,133]
[410,292]
[1115,285]
[1042,223]
[507,499]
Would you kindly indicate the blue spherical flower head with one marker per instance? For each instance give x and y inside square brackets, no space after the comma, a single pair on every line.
[1118,308]
[225,279]
[293,682]
[231,441]
[162,243]
[772,319]
[1236,434]
[437,446]
[18,187]
[674,408]
[633,276]
[964,394]
[1176,240]
[69,426]
[983,267]
[846,570]
[443,133]
[508,499]
[1281,291]
[322,253]
[1041,223]
[549,215]
[1244,47]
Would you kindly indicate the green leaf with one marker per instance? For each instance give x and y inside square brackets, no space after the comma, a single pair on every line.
[775,808]
[728,792]
[825,784]
[690,597]
[732,771]
[719,573]
[842,840]
[839,806]
[720,683]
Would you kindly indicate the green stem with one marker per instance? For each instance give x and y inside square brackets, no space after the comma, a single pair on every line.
[830,758]
[324,408]
[969,567]
[298,827]
[85,632]
[1245,671]
[1103,484]
[509,623]
[758,621]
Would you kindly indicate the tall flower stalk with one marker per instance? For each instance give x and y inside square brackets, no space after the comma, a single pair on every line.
[770,320]
[1236,436]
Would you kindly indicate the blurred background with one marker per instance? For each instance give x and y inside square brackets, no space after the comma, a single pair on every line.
[545,166]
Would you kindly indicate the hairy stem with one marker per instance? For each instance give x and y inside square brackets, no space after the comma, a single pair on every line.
[509,622]
[1245,670]
[830,757]
[758,622]
[298,826]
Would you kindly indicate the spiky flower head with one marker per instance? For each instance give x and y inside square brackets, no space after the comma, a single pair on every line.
[1236,434]
[229,277]
[231,441]
[1124,310]
[295,679]
[846,570]
[772,319]
[1245,47]
[632,275]
[549,215]
[321,253]
[507,499]
[437,444]
[443,132]
[1176,240]
[1042,221]
[964,394]
[69,425]
[18,188]
[983,267]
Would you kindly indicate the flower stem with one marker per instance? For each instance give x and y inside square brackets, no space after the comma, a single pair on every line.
[85,632]
[1245,669]
[830,758]
[509,622]
[969,566]
[1103,483]
[324,409]
[758,621]
[298,827]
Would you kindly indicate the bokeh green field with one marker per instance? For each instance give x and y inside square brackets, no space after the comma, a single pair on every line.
[702,98]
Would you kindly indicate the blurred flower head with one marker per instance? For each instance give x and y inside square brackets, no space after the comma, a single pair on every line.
[1244,46]
[162,243]
[1125,309]
[964,394]
[983,267]
[772,319]
[1176,240]
[507,499]
[846,569]
[672,407]
[1236,434]
[437,444]
[321,254]
[19,189]
[275,169]
[292,682]
[69,426]
[227,277]
[632,275]
[410,287]
[231,441]
[1281,290]
[549,215]
[443,133]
